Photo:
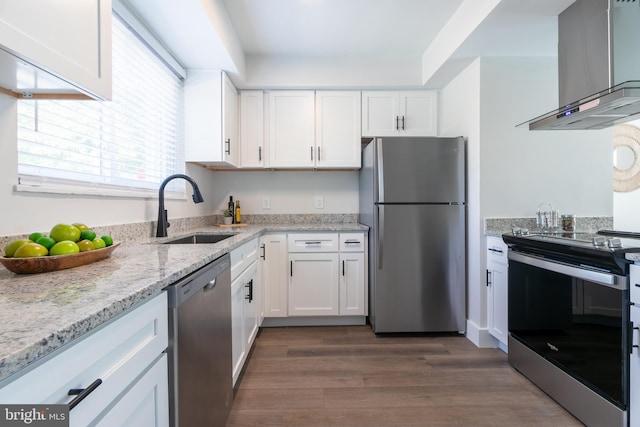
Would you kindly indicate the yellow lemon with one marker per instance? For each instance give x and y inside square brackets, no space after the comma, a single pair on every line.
[64,247]
[61,232]
[11,248]
[86,245]
[30,250]
[80,226]
[99,243]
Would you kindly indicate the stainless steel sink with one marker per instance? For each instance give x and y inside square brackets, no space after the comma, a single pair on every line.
[200,238]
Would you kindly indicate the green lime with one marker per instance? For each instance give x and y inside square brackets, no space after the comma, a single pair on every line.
[87,235]
[64,247]
[35,236]
[61,232]
[30,250]
[45,241]
[11,248]
[99,243]
[86,245]
[107,240]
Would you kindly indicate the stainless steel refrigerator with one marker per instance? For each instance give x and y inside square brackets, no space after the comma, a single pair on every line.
[412,196]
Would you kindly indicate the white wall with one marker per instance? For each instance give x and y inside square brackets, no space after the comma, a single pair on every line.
[627,205]
[289,192]
[512,170]
[22,212]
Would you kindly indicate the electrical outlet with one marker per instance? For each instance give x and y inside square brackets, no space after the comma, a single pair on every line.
[319,202]
[266,202]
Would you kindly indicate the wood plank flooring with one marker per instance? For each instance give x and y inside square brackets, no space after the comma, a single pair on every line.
[347,376]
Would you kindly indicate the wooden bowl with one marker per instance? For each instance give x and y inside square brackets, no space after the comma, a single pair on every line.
[45,264]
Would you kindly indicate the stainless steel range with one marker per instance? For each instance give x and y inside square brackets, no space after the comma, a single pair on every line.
[569,327]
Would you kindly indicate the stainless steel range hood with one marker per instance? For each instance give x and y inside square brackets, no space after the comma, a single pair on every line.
[598,66]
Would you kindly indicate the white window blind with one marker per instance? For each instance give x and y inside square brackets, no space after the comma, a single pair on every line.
[124,146]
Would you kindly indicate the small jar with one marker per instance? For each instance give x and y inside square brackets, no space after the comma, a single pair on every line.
[568,222]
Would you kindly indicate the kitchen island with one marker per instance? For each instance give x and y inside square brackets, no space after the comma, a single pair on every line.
[41,314]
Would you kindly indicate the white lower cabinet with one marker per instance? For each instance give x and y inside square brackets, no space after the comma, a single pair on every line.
[126,357]
[245,304]
[273,257]
[327,274]
[313,284]
[497,291]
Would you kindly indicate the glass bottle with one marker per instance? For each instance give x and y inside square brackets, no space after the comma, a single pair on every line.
[237,218]
[231,207]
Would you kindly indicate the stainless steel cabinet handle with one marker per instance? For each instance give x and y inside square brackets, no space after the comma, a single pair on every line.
[498,251]
[290,268]
[228,142]
[342,267]
[488,278]
[397,123]
[311,154]
[352,242]
[313,242]
[264,251]
[259,154]
[402,122]
[81,393]
[319,154]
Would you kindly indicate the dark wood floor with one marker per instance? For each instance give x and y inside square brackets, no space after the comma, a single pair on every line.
[346,376]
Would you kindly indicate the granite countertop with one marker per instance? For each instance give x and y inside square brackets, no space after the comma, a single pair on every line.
[40,313]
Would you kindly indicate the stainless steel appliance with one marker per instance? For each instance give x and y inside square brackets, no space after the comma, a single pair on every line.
[598,68]
[200,378]
[569,319]
[412,196]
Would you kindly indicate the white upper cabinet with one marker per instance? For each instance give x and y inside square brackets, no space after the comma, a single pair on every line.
[405,113]
[70,40]
[314,129]
[291,129]
[211,118]
[338,129]
[252,147]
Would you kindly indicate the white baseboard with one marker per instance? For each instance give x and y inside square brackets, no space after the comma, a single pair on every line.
[480,336]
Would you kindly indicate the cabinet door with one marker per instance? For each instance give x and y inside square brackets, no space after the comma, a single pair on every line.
[352,283]
[313,284]
[291,129]
[497,291]
[251,304]
[71,39]
[380,113]
[252,149]
[338,135]
[418,113]
[238,347]
[145,403]
[273,256]
[230,146]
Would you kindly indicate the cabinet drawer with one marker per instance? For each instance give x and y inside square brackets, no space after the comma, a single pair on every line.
[634,284]
[313,242]
[117,354]
[242,257]
[497,250]
[352,242]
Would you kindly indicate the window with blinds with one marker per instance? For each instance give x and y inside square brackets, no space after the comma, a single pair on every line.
[126,146]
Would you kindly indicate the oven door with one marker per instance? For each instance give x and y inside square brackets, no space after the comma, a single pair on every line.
[576,318]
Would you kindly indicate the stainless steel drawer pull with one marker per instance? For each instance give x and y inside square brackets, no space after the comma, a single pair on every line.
[352,242]
[637,285]
[316,242]
[498,251]
[81,393]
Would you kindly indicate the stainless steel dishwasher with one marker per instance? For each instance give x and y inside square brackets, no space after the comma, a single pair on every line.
[200,377]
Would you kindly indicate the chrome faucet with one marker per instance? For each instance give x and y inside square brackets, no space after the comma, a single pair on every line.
[162,212]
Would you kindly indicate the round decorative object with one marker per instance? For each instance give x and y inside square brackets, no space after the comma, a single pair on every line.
[626,168]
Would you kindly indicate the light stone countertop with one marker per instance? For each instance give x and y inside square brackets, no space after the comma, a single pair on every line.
[41,313]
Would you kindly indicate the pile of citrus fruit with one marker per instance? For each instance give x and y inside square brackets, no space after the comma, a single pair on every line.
[63,239]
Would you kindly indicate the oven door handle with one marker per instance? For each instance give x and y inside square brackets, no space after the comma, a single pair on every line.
[607,279]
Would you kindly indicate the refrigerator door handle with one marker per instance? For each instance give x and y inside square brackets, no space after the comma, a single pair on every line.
[379,170]
[380,236]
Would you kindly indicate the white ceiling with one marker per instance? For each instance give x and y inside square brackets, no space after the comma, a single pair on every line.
[243,35]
